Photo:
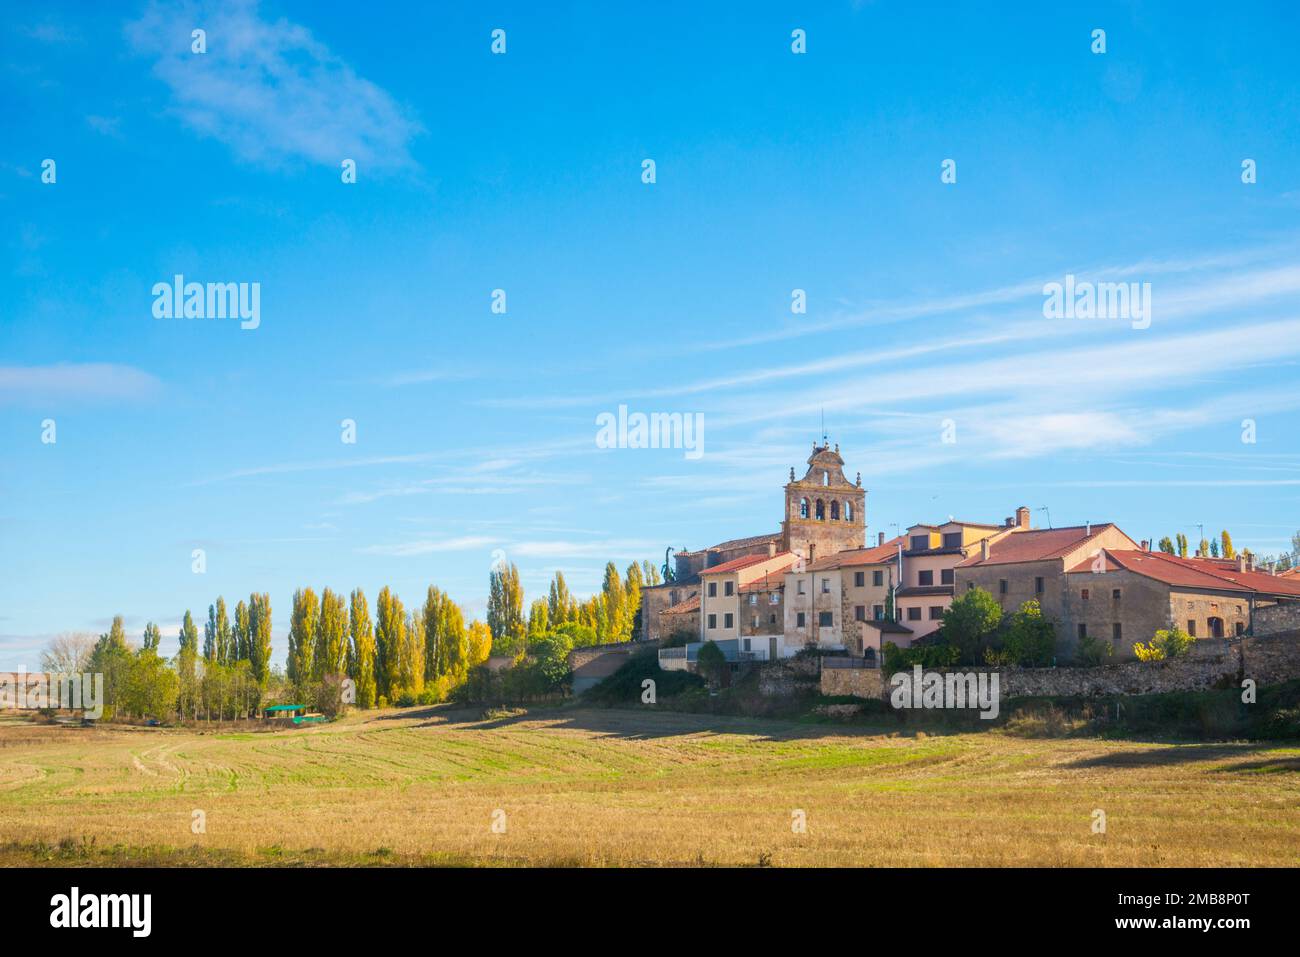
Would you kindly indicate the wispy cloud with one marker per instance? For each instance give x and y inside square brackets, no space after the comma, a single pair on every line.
[71,380]
[269,90]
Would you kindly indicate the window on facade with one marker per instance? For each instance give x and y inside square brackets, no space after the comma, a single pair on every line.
[925,577]
[753,599]
[1117,632]
[848,511]
[920,541]
[970,586]
[1114,594]
[826,586]
[799,619]
[800,588]
[1191,627]
[755,625]
[803,508]
[859,612]
[878,612]
[936,612]
[729,588]
[1002,586]
[771,619]
[1038,585]
[745,642]
[774,598]
[946,576]
[835,511]
[821,511]
[713,589]
[713,621]
[952,539]
[1085,594]
[859,579]
[825,619]
[728,620]
[914,614]
[826,478]
[1083,630]
[1240,628]
[877,578]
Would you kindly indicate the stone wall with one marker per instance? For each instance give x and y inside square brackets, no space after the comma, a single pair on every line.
[1274,619]
[858,682]
[1266,660]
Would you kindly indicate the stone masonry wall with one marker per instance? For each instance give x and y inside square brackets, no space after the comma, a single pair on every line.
[1267,660]
[1273,619]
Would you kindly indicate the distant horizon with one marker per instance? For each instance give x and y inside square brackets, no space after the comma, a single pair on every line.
[438,345]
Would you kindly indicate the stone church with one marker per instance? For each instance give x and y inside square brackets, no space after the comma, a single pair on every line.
[824,514]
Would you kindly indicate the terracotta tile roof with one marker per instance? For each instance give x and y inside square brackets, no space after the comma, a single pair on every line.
[889,627]
[1195,572]
[771,581]
[1036,544]
[875,555]
[744,561]
[913,591]
[683,607]
[752,540]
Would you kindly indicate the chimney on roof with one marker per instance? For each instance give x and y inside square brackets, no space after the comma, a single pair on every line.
[1087,528]
[1008,522]
[880,538]
[1022,517]
[984,549]
[1241,563]
[1250,562]
[1146,545]
[771,549]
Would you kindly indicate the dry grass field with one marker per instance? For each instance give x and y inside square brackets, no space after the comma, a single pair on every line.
[634,788]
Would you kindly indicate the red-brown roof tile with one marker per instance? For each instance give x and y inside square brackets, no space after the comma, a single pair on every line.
[1036,545]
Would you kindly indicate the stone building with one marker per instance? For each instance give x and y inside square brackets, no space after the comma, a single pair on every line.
[830,602]
[1031,564]
[1124,596]
[931,554]
[825,513]
[741,599]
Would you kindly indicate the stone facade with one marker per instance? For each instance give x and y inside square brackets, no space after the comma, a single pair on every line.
[1275,619]
[825,513]
[1266,660]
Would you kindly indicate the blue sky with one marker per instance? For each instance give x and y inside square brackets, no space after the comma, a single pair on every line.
[775,171]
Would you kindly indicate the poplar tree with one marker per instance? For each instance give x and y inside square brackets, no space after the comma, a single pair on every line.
[362,652]
[1182,545]
[650,573]
[453,649]
[152,636]
[331,637]
[259,636]
[390,631]
[1228,550]
[225,637]
[242,643]
[433,613]
[410,657]
[539,618]
[1166,545]
[560,605]
[615,602]
[479,643]
[303,622]
[505,610]
[186,658]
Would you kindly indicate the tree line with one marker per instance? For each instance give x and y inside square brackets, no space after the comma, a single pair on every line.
[1222,547]
[426,654]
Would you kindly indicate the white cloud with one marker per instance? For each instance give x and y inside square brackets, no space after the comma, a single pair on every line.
[269,90]
[430,546]
[75,380]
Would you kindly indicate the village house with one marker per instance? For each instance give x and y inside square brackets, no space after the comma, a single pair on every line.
[817,584]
